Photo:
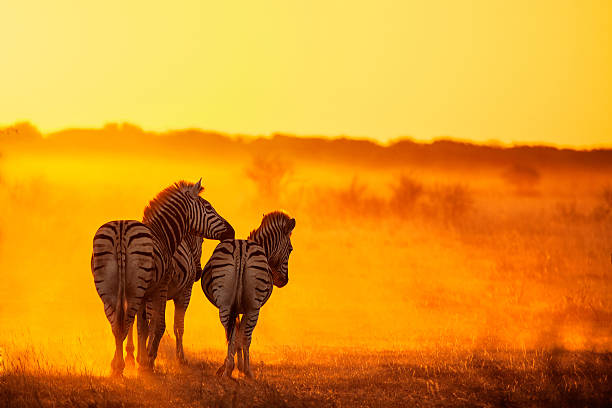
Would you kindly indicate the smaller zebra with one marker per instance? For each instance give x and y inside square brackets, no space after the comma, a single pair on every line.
[239,277]
[185,270]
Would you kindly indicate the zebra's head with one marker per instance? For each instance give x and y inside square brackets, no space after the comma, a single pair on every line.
[204,219]
[274,235]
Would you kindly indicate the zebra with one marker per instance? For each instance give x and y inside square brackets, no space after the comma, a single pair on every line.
[131,259]
[239,277]
[186,270]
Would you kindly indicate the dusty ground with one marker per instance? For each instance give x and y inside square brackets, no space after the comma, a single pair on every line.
[435,253]
[333,378]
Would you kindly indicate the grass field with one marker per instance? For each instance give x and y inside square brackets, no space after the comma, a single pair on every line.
[414,280]
[311,377]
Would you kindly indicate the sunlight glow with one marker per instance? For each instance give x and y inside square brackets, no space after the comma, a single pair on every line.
[518,71]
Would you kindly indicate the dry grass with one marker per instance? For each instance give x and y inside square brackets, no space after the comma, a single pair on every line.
[409,286]
[333,378]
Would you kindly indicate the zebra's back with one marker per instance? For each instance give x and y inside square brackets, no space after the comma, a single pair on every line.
[238,276]
[123,268]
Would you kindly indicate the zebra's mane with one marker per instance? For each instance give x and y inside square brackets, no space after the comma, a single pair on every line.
[275,217]
[154,206]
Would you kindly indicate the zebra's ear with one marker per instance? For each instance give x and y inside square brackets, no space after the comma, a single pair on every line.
[290,225]
[197,188]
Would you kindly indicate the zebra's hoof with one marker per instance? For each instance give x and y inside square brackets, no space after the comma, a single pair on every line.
[116,373]
[145,368]
[225,376]
[129,361]
[227,373]
[183,361]
[221,370]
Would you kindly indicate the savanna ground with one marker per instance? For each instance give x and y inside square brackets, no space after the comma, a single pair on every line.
[314,377]
[485,283]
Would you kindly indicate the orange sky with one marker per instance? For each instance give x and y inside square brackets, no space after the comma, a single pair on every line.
[519,71]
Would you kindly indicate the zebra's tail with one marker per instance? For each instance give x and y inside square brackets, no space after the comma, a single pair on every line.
[231,324]
[108,267]
[122,303]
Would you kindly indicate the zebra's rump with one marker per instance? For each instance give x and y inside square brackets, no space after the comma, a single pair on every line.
[123,269]
[237,274]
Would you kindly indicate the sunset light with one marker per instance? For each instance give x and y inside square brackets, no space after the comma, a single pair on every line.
[305,203]
[518,71]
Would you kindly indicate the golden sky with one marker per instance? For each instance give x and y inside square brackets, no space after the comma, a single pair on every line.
[512,71]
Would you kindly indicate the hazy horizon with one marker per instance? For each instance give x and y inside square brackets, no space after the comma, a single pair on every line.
[134,126]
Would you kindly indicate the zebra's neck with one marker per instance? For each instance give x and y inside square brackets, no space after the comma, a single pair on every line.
[263,240]
[268,233]
[169,223]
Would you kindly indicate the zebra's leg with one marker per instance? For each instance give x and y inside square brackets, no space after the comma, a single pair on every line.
[143,334]
[158,325]
[117,365]
[230,333]
[239,360]
[180,307]
[249,320]
[129,348]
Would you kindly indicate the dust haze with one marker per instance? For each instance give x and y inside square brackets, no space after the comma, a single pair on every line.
[406,246]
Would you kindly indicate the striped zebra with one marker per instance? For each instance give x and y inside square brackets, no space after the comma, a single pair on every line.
[238,280]
[185,271]
[130,263]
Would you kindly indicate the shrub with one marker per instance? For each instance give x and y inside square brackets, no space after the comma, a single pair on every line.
[603,209]
[454,201]
[405,195]
[270,175]
[356,201]
[351,201]
[448,203]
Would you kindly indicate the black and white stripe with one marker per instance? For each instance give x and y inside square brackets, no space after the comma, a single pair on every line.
[239,277]
[123,270]
[131,261]
[184,272]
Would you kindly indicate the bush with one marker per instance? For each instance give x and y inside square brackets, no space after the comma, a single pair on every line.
[603,210]
[451,202]
[354,201]
[405,195]
[270,175]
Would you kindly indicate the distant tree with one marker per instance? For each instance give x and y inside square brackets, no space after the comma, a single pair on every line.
[270,175]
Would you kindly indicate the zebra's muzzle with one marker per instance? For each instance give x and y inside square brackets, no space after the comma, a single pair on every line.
[278,279]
